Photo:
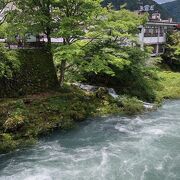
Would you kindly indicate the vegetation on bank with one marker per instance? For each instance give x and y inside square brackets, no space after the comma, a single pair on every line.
[171,57]
[170,85]
[169,69]
[23,120]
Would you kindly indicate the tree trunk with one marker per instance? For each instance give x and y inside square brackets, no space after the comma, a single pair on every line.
[48,39]
[62,72]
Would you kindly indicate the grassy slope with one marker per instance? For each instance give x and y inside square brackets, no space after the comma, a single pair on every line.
[170,82]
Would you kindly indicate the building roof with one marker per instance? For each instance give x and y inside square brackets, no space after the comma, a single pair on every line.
[162,23]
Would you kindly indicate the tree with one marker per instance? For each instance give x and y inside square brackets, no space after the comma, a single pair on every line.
[112,35]
[97,40]
[75,17]
[172,50]
[9,62]
[5,7]
[115,59]
[8,59]
[2,31]
[35,17]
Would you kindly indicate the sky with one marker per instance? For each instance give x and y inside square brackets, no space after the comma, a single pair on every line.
[163,1]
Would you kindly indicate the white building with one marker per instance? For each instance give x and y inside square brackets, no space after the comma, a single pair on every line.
[154,33]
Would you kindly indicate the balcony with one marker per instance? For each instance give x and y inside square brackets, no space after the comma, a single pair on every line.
[154,40]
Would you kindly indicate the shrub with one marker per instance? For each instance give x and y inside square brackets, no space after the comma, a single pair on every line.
[9,62]
[14,123]
[131,105]
[7,143]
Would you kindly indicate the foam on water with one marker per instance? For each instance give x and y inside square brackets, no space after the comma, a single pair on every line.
[145,147]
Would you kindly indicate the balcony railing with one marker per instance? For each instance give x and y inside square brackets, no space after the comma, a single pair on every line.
[153,35]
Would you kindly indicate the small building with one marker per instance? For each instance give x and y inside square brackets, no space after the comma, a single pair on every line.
[154,33]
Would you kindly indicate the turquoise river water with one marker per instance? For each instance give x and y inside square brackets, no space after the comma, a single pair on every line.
[145,147]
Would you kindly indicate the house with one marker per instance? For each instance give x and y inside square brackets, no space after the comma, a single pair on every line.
[154,33]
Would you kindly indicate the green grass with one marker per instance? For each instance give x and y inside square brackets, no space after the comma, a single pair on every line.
[170,85]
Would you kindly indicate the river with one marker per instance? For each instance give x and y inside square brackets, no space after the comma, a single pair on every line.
[145,147]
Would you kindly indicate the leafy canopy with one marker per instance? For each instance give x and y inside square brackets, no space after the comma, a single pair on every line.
[172,53]
[95,40]
[9,62]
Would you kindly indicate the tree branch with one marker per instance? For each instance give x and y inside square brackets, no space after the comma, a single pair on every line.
[4,13]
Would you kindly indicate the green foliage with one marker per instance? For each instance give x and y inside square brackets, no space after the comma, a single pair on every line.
[114,58]
[138,79]
[72,28]
[102,46]
[111,32]
[170,83]
[14,123]
[9,63]
[131,105]
[32,16]
[135,79]
[71,54]
[1,4]
[23,120]
[16,119]
[2,31]
[7,143]
[36,73]
[172,53]
[9,32]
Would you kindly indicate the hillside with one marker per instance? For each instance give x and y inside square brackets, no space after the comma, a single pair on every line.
[173,8]
[133,5]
